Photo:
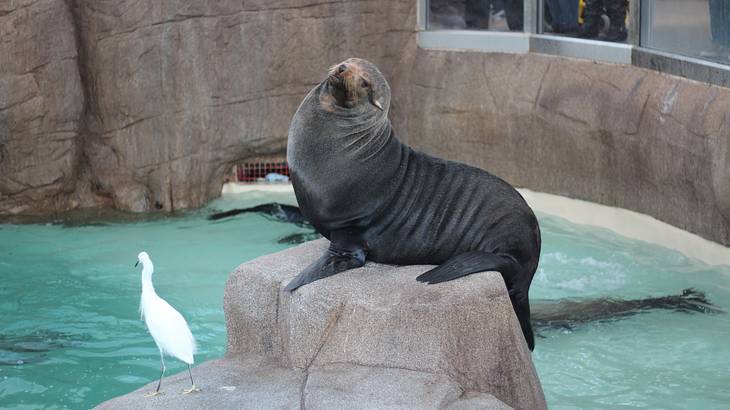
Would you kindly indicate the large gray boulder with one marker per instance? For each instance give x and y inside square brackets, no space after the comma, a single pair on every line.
[369,338]
[380,316]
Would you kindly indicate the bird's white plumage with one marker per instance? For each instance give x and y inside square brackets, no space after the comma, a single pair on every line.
[168,328]
[166,325]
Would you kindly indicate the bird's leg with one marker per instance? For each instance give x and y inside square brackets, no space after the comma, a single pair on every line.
[157,391]
[192,389]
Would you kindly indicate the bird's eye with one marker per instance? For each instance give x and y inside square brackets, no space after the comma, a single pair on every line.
[365,83]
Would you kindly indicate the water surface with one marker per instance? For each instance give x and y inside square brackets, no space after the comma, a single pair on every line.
[69,298]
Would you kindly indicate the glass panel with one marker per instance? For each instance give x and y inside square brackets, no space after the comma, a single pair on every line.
[696,28]
[494,15]
[591,19]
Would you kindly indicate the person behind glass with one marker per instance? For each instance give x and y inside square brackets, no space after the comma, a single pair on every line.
[477,13]
[616,11]
[720,29]
[564,15]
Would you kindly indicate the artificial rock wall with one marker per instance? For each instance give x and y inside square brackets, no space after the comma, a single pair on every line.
[142,105]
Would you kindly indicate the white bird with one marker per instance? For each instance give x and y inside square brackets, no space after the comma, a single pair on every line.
[165,324]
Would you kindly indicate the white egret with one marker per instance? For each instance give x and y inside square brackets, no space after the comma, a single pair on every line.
[165,324]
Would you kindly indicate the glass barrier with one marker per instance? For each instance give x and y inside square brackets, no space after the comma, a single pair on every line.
[493,15]
[695,28]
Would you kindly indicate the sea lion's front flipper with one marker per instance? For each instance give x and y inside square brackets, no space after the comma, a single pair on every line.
[338,258]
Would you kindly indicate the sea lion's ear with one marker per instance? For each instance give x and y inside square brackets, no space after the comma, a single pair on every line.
[374,101]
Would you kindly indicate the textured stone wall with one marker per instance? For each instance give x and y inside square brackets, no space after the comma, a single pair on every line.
[144,105]
[41,102]
[612,134]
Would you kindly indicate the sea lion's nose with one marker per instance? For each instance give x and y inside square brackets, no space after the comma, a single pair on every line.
[341,69]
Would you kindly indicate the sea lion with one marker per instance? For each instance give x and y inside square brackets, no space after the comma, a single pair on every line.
[298,238]
[375,198]
[33,347]
[570,313]
[273,211]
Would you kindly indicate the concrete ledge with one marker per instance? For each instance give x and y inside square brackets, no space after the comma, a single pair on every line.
[257,382]
[231,383]
[369,338]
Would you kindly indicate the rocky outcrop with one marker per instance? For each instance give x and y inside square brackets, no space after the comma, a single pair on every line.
[380,316]
[41,105]
[367,338]
[142,105]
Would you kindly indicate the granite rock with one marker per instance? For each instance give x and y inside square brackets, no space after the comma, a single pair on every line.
[41,103]
[379,316]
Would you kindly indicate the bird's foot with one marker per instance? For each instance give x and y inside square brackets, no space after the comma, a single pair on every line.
[153,393]
[191,390]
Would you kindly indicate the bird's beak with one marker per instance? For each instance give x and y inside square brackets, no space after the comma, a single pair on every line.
[135,265]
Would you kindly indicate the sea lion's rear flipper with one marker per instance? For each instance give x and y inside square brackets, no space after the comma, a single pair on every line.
[478,261]
[337,259]
[468,263]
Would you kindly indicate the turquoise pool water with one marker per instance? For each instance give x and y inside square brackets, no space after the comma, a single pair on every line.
[69,298]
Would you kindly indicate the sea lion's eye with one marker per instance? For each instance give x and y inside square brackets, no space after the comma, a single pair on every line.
[365,83]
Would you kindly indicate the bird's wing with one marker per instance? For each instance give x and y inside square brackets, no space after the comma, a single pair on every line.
[170,330]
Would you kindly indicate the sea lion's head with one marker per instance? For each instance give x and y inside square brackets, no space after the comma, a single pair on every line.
[358,83]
